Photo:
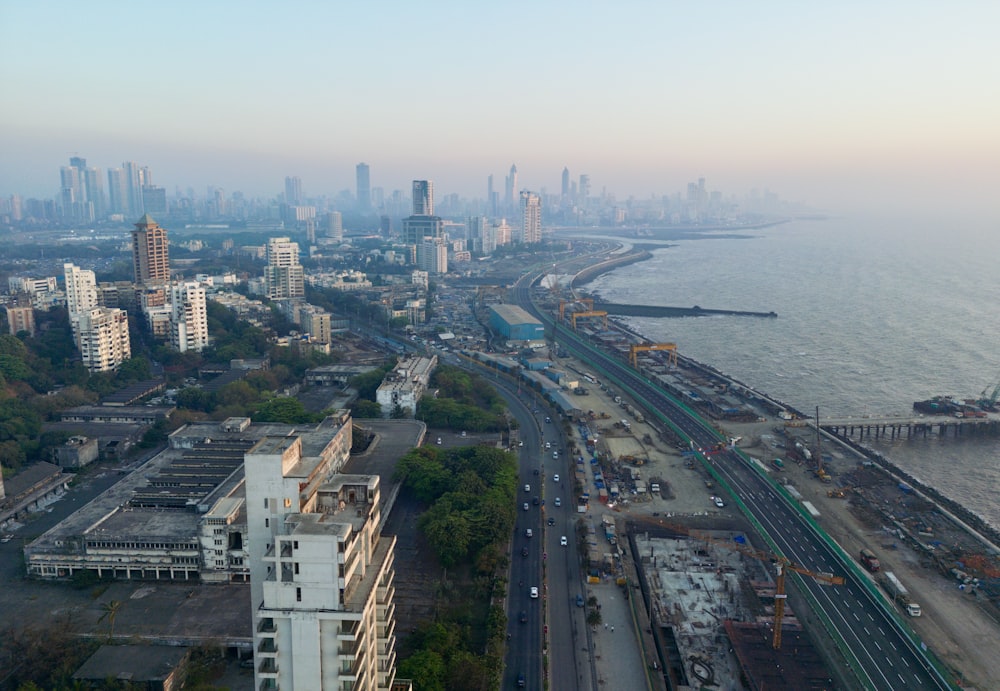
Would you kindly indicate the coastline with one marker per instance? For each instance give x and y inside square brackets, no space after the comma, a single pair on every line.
[971,520]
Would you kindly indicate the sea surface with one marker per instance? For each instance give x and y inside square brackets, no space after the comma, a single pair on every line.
[872,315]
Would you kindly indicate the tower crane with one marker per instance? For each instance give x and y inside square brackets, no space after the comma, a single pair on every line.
[781,563]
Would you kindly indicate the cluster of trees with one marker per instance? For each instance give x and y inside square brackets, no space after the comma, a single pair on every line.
[470,493]
[366,385]
[465,401]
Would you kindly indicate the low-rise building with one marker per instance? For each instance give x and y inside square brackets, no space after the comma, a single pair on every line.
[404,386]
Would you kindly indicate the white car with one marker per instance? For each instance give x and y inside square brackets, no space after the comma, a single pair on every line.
[555,478]
[719,502]
[558,501]
[527,488]
[534,592]
[548,445]
[555,454]
[562,541]
[525,506]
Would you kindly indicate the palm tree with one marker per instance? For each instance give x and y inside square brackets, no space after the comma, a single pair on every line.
[110,609]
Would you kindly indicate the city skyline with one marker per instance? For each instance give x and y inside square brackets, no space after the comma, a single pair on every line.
[833,106]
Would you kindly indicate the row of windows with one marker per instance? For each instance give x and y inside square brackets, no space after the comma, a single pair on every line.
[140,545]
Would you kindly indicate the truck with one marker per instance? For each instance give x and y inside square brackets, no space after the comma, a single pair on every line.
[870,561]
[900,594]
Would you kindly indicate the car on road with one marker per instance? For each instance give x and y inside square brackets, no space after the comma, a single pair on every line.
[520,681]
[563,541]
[555,478]
[548,445]
[534,500]
[527,532]
[579,600]
[718,502]
[527,488]
[520,443]
[558,501]
[551,521]
[439,441]
[548,419]
[524,551]
[525,506]
[524,617]
[555,454]
[534,592]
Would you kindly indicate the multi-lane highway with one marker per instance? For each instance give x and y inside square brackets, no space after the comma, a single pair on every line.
[884,656]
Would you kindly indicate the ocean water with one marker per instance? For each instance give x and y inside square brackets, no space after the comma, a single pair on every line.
[872,315]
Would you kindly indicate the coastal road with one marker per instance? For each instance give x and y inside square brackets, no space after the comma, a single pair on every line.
[886,657]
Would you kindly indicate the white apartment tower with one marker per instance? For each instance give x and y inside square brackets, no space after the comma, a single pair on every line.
[531,217]
[188,317]
[284,276]
[432,255]
[321,576]
[103,338]
[81,289]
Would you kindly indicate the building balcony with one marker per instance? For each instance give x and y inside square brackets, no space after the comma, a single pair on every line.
[267,647]
[347,649]
[387,663]
[268,665]
[385,594]
[266,626]
[348,630]
[268,685]
[385,612]
[385,630]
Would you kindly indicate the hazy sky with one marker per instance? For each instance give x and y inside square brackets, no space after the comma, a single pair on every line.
[831,103]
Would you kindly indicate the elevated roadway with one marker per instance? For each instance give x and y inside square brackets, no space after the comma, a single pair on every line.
[876,645]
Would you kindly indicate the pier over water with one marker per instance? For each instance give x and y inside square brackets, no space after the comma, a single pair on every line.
[892,428]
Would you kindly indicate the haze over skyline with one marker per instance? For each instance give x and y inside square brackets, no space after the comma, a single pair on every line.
[837,106]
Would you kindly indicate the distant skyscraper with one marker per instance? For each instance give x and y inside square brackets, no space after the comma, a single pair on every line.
[565,184]
[423,198]
[133,185]
[117,191]
[293,190]
[70,191]
[511,189]
[432,255]
[584,189]
[93,190]
[335,226]
[364,187]
[150,253]
[531,217]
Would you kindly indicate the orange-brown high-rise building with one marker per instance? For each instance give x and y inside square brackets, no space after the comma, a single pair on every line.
[150,257]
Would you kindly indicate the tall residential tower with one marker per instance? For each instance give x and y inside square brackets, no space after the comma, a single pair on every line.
[150,257]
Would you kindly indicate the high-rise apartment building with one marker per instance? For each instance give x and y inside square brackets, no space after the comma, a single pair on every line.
[188,317]
[93,190]
[321,575]
[81,289]
[584,189]
[531,217]
[133,187]
[432,255]
[284,277]
[364,187]
[565,185]
[150,256]
[103,338]
[293,191]
[423,198]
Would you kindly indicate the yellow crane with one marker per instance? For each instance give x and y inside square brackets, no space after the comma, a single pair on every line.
[586,302]
[635,349]
[589,313]
[782,564]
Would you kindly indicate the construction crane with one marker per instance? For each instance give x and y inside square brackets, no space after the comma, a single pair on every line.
[989,402]
[634,351]
[782,564]
[589,313]
[586,302]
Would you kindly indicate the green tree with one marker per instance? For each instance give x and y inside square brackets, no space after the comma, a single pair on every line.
[427,670]
[287,410]
[363,408]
